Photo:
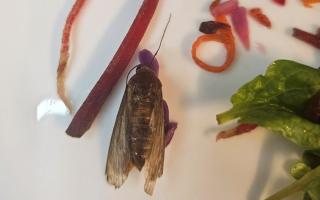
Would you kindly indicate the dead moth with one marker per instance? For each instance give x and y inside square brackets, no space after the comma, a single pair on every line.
[138,138]
[142,128]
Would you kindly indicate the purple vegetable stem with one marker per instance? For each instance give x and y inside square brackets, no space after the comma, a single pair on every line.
[147,58]
[165,112]
[240,23]
[169,127]
[169,132]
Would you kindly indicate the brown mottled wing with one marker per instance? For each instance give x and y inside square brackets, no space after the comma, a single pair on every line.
[118,163]
[154,164]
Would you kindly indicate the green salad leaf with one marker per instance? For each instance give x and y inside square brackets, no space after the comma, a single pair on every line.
[310,183]
[277,100]
[299,169]
[307,173]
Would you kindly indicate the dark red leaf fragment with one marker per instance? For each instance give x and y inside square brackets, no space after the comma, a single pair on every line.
[312,39]
[211,27]
[280,2]
[240,129]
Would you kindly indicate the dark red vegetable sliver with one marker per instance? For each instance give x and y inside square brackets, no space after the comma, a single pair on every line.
[243,128]
[88,111]
[280,2]
[240,129]
[210,27]
[307,37]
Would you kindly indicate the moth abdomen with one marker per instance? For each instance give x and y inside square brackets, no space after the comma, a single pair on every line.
[140,135]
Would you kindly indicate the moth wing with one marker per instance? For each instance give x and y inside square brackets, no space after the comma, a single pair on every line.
[154,163]
[118,162]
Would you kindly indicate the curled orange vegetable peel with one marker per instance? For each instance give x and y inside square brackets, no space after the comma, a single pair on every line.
[308,3]
[223,36]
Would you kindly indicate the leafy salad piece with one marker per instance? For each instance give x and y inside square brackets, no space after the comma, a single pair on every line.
[307,173]
[310,183]
[281,101]
[277,101]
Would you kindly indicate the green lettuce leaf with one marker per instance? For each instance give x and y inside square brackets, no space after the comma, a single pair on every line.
[276,101]
[309,183]
[307,172]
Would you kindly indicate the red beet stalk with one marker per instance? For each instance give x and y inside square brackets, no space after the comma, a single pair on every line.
[309,38]
[88,111]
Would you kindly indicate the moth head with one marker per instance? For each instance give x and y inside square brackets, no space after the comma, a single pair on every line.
[143,67]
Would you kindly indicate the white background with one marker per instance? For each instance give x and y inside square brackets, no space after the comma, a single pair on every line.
[39,161]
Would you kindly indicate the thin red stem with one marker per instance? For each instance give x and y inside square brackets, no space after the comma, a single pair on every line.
[306,37]
[64,51]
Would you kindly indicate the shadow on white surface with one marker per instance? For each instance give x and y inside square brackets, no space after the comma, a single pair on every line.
[273,147]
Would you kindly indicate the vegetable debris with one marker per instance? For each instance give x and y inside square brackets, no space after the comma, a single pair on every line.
[309,3]
[260,17]
[277,101]
[240,24]
[285,100]
[240,129]
[306,171]
[224,8]
[169,126]
[222,34]
[310,182]
[211,27]
[64,52]
[312,39]
[90,108]
[280,2]
[147,58]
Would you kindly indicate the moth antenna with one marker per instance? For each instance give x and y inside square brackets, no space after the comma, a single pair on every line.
[154,55]
[130,72]
[162,37]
